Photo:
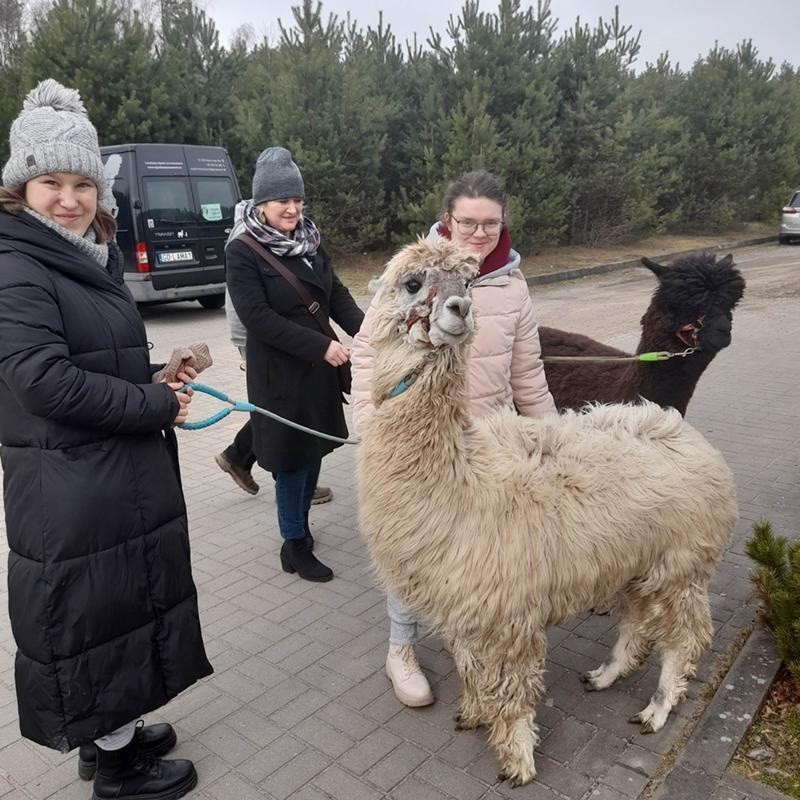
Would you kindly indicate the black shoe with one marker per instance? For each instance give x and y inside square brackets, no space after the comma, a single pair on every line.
[296,556]
[309,540]
[126,774]
[152,740]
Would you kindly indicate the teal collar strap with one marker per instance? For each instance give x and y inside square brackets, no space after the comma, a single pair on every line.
[404,383]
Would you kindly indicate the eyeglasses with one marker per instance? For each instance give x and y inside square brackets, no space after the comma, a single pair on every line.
[468,226]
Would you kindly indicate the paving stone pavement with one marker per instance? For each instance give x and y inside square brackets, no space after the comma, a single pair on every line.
[299,707]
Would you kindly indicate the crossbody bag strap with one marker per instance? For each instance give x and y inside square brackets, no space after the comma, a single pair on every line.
[312,305]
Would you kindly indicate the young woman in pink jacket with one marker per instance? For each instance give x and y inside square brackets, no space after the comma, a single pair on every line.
[505,366]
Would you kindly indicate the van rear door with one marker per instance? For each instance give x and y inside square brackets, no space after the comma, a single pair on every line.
[185,237]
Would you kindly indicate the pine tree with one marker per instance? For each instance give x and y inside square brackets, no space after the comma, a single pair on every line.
[250,127]
[741,137]
[12,49]
[334,124]
[594,67]
[657,139]
[496,102]
[777,579]
[421,146]
[375,68]
[197,72]
[104,49]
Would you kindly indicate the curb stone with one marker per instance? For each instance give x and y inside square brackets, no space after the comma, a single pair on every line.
[703,761]
[613,266]
[734,786]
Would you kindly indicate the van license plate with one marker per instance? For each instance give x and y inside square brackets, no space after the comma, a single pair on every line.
[175,255]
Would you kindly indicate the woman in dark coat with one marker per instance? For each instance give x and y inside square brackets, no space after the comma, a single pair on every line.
[101,598]
[294,368]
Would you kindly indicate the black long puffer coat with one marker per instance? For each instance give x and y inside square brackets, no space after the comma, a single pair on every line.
[286,369]
[102,603]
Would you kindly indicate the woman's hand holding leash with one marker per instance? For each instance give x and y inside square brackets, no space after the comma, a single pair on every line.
[337,354]
[184,395]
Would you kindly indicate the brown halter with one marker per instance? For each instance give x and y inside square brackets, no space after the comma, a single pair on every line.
[690,329]
[414,317]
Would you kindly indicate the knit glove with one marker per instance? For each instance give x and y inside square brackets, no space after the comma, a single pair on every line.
[195,355]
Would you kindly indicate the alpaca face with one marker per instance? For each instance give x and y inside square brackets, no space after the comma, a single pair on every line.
[697,294]
[440,312]
[426,289]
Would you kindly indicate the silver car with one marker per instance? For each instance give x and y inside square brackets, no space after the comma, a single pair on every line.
[790,220]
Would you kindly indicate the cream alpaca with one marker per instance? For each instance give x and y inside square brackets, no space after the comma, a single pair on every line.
[494,529]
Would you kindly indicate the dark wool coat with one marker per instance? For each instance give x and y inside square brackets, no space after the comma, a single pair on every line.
[286,369]
[101,598]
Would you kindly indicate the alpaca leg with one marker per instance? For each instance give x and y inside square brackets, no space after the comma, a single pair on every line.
[626,655]
[510,703]
[514,741]
[690,634]
[671,688]
[469,715]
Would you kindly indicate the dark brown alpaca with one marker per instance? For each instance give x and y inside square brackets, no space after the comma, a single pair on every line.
[691,306]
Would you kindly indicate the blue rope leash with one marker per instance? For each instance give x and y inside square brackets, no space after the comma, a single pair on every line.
[234,405]
[242,405]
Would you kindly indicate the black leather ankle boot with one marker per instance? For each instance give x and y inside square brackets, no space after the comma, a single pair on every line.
[152,740]
[126,774]
[296,556]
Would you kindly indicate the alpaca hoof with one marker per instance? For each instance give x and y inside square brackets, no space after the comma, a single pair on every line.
[464,725]
[654,724]
[649,724]
[515,779]
[586,680]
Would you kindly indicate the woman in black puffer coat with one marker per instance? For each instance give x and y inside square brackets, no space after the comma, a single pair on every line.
[102,603]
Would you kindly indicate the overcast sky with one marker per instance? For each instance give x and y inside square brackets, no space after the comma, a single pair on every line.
[686,28]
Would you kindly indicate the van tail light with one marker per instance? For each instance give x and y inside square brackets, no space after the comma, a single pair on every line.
[142,261]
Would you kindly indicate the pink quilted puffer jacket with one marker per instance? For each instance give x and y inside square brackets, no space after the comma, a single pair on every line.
[505,365]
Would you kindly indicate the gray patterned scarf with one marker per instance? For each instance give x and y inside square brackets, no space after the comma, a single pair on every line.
[86,243]
[304,239]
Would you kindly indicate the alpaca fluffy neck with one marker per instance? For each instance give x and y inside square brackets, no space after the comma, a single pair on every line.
[415,453]
[668,383]
[436,400]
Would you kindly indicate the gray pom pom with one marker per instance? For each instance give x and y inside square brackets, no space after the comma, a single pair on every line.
[51,93]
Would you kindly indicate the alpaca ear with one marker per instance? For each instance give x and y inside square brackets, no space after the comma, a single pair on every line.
[726,262]
[657,269]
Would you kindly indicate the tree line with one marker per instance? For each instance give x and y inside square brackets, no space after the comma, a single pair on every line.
[592,148]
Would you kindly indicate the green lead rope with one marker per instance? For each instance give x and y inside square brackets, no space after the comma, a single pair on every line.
[658,355]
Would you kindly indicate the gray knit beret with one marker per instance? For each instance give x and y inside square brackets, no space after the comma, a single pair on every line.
[53,134]
[277,176]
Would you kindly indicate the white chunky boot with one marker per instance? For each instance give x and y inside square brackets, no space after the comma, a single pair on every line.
[410,685]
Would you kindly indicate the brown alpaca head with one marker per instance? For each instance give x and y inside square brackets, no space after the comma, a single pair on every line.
[424,296]
[694,301]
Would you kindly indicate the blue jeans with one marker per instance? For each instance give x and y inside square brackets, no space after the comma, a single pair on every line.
[293,493]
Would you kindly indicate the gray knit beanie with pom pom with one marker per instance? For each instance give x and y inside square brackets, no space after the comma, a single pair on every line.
[53,134]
